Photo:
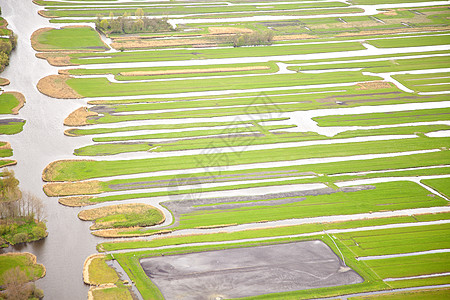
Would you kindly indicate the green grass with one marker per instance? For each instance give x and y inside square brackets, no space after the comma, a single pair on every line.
[398,240]
[111,149]
[78,170]
[7,103]
[429,294]
[386,196]
[258,233]
[189,9]
[407,266]
[24,262]
[442,185]
[411,41]
[117,71]
[78,38]
[434,82]
[12,126]
[101,87]
[170,55]
[386,118]
[101,273]
[392,163]
[116,293]
[77,131]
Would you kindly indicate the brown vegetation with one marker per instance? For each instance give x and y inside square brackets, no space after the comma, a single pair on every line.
[193,71]
[76,201]
[228,30]
[137,43]
[120,232]
[293,37]
[79,117]
[101,212]
[373,85]
[35,36]
[4,81]
[56,59]
[55,86]
[56,189]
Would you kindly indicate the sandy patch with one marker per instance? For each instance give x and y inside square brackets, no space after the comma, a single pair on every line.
[77,201]
[390,12]
[56,189]
[228,30]
[193,71]
[79,117]
[373,85]
[55,86]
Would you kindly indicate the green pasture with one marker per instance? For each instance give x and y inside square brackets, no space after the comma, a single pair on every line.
[442,185]
[78,170]
[385,118]
[71,38]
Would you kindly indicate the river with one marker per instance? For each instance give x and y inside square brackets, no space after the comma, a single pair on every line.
[42,141]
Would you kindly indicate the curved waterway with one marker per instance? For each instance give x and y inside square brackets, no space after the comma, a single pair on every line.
[41,142]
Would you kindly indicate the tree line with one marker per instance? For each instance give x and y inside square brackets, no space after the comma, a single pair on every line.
[125,24]
[22,214]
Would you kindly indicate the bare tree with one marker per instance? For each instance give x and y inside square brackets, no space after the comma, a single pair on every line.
[16,284]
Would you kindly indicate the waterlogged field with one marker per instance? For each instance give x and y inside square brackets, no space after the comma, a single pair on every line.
[256,124]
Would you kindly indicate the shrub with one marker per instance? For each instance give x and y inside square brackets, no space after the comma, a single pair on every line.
[20,238]
[254,39]
[38,232]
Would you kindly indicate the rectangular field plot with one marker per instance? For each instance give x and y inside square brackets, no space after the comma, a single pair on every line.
[246,272]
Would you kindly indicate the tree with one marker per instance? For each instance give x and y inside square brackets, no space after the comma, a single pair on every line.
[139,13]
[16,284]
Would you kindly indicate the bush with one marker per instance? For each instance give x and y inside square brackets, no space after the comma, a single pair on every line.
[254,39]
[20,238]
[38,233]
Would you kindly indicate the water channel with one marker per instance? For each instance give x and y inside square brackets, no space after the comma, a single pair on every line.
[42,141]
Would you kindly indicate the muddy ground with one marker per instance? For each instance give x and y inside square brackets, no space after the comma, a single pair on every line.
[244,272]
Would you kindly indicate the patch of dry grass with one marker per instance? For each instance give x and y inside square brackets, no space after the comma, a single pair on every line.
[56,59]
[120,232]
[4,81]
[228,30]
[76,201]
[79,117]
[373,85]
[293,37]
[194,71]
[146,43]
[55,86]
[56,189]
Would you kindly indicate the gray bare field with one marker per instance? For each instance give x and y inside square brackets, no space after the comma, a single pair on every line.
[244,272]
